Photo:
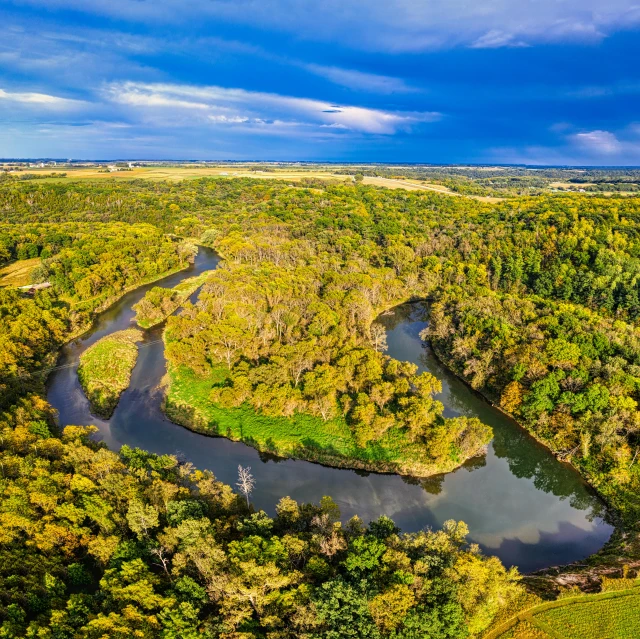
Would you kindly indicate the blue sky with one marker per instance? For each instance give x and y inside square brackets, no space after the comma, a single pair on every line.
[497,81]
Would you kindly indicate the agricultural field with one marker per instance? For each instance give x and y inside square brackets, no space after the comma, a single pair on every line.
[608,615]
[18,273]
[178,173]
[105,369]
[293,175]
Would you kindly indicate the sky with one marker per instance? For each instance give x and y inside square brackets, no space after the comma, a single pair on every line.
[546,82]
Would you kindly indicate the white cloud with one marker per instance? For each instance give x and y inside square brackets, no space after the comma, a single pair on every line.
[235,119]
[359,80]
[396,25]
[41,100]
[599,142]
[136,98]
[589,148]
[238,106]
[496,39]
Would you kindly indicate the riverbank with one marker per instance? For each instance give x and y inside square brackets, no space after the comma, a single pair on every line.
[111,300]
[87,325]
[620,553]
[331,442]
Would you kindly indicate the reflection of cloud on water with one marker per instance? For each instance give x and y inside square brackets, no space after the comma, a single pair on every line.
[519,511]
[409,505]
[567,541]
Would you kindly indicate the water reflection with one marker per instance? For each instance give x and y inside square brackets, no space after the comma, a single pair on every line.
[519,502]
[519,494]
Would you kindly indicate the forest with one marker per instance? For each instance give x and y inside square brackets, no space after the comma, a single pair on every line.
[535,303]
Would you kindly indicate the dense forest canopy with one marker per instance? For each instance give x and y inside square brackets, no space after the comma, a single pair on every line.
[536,304]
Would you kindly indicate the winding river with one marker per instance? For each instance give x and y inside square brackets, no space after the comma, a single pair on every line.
[519,502]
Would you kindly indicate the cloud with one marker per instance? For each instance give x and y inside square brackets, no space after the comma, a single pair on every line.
[598,142]
[41,100]
[359,80]
[239,106]
[496,39]
[138,98]
[391,25]
[585,148]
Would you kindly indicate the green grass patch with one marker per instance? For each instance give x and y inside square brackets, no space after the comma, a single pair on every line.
[613,614]
[610,618]
[105,369]
[302,436]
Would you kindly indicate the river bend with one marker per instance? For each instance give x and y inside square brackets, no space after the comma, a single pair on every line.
[519,502]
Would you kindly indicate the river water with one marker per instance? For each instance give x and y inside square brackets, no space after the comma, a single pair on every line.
[519,502]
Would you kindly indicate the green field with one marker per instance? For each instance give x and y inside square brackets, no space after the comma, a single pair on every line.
[105,369]
[608,615]
[302,436]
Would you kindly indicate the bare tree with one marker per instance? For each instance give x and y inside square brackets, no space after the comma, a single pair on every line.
[378,337]
[246,482]
[163,559]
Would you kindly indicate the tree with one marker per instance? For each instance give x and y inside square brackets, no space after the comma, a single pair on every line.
[390,607]
[511,397]
[246,482]
[142,518]
[378,337]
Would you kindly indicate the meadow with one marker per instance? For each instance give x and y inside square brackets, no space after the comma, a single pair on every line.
[611,614]
[105,369]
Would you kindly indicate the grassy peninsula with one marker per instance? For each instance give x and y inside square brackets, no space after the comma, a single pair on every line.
[105,370]
[303,436]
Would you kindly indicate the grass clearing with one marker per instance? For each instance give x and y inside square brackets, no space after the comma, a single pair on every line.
[614,614]
[177,173]
[301,436]
[105,369]
[611,618]
[18,273]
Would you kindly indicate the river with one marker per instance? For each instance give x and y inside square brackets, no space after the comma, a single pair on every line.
[519,502]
